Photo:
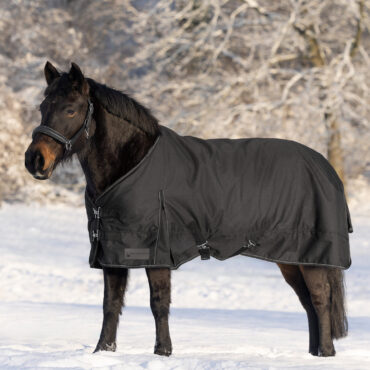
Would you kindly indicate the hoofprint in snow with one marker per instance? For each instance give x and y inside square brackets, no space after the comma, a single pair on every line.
[225,315]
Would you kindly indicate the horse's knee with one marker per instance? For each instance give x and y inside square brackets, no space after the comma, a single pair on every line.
[113,306]
[160,301]
[160,291]
[115,282]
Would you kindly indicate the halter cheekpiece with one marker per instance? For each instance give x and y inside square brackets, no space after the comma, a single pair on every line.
[68,143]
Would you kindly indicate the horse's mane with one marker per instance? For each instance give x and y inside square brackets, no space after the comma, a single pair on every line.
[123,106]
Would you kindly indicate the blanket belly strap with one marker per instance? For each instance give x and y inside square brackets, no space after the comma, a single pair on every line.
[204,251]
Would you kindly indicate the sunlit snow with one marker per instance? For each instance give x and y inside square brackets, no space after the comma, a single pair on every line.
[225,315]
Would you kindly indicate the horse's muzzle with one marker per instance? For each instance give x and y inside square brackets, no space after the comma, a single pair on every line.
[35,164]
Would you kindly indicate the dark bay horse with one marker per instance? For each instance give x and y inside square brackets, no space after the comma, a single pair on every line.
[111,133]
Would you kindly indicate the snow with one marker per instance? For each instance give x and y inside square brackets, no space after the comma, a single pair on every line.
[235,314]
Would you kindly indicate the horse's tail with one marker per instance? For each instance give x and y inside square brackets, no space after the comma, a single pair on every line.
[338,317]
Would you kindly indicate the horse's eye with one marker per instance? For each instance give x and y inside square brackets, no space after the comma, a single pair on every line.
[71,113]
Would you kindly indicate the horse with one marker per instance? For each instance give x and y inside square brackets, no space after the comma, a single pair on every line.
[111,133]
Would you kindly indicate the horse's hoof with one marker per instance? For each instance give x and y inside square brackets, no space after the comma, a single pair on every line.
[163,350]
[327,353]
[106,347]
[314,352]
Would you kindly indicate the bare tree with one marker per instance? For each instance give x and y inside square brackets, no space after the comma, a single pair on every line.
[294,69]
[316,56]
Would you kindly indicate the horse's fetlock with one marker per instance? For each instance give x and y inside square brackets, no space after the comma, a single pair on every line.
[163,348]
[327,351]
[103,346]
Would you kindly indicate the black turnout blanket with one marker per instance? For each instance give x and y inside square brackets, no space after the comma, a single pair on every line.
[266,198]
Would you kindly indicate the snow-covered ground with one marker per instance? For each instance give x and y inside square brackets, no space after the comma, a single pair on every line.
[235,314]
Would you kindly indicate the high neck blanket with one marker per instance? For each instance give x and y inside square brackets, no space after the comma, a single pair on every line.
[266,198]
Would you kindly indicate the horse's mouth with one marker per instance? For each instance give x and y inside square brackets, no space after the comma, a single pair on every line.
[44,175]
[39,176]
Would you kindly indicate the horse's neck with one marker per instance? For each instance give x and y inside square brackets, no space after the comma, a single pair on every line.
[115,148]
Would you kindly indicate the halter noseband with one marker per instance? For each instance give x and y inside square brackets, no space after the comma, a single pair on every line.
[68,143]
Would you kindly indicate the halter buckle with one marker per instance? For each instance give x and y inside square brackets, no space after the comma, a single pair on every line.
[68,146]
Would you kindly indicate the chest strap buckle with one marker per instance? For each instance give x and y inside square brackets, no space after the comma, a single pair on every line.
[96,212]
[95,235]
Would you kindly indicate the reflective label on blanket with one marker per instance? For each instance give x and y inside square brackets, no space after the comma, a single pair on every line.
[136,253]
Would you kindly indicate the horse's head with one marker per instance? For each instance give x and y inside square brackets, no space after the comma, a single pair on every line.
[66,114]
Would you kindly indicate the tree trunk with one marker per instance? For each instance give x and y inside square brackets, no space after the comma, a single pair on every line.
[335,155]
[334,146]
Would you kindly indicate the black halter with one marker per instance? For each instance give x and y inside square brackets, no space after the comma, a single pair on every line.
[68,143]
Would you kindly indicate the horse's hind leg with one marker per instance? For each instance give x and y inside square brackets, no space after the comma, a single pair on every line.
[317,282]
[294,278]
[115,281]
[160,299]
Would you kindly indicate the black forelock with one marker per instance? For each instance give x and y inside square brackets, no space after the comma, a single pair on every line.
[62,85]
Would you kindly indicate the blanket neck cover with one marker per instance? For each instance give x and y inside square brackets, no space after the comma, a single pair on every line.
[272,199]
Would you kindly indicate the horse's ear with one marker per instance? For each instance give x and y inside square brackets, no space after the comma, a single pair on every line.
[78,79]
[50,73]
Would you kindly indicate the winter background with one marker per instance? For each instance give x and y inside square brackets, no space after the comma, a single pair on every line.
[294,69]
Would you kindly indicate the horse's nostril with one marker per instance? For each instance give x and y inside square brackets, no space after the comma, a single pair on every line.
[28,160]
[34,161]
[39,161]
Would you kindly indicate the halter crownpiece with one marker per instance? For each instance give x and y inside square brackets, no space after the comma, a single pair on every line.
[68,143]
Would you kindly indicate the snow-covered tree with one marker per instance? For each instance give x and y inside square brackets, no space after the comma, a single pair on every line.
[296,69]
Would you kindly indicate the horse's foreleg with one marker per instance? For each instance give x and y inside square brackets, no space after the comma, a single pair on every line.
[317,282]
[294,278]
[160,299]
[115,281]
